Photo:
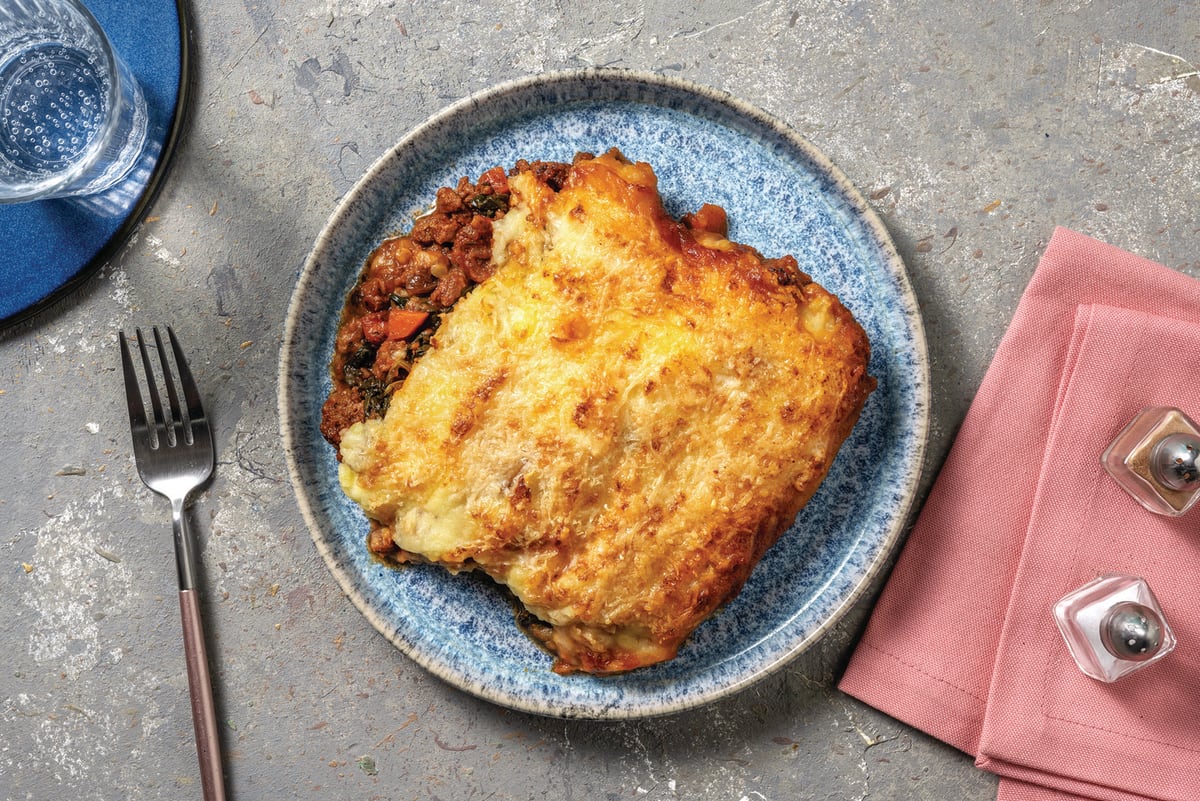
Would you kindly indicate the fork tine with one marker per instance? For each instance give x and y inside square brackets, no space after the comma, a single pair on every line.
[177,423]
[160,424]
[133,395]
[191,394]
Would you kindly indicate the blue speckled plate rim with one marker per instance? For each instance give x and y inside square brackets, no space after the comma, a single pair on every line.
[607,84]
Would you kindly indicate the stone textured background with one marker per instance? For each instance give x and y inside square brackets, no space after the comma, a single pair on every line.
[974,128]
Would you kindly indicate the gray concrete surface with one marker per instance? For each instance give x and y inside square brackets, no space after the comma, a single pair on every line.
[973,127]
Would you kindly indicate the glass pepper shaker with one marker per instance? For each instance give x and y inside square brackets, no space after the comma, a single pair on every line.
[1155,460]
[1113,626]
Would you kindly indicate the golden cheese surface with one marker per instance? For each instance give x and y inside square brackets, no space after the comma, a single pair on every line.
[618,423]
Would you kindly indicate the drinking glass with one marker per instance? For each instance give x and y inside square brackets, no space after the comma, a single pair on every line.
[73,119]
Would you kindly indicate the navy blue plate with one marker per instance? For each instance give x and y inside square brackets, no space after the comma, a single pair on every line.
[782,196]
[47,247]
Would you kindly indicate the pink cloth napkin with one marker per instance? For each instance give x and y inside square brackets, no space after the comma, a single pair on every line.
[962,643]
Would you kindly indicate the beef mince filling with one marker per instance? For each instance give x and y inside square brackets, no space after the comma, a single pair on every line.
[406,286]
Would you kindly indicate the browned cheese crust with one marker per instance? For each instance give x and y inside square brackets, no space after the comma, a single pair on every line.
[618,422]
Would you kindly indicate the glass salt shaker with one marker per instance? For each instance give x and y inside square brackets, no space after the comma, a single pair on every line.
[1155,460]
[1113,626]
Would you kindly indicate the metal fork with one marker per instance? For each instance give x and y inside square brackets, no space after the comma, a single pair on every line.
[175,455]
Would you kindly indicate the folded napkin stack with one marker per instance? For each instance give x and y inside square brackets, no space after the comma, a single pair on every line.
[963,643]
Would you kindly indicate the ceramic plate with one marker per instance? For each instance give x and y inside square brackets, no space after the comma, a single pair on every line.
[782,196]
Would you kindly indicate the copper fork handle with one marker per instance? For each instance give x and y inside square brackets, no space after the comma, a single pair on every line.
[204,715]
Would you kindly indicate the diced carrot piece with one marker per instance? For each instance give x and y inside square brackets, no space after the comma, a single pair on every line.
[403,323]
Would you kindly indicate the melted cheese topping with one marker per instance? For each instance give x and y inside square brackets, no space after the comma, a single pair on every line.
[618,423]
